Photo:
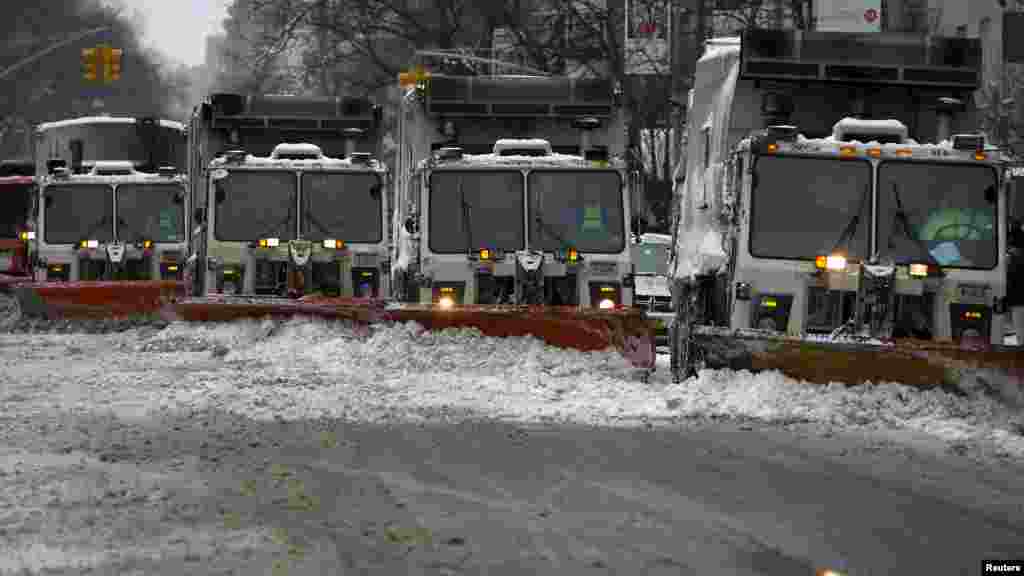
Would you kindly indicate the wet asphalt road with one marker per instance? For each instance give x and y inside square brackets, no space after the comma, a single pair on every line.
[705,497]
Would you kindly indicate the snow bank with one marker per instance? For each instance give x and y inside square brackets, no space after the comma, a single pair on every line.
[300,370]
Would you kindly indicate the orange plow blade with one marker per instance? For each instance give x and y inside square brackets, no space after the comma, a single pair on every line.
[566,327]
[95,300]
[917,363]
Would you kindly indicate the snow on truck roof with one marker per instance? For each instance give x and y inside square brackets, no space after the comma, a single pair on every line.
[86,120]
[297,155]
[553,160]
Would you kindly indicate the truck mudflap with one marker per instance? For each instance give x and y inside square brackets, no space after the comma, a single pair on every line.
[918,363]
[628,331]
[95,299]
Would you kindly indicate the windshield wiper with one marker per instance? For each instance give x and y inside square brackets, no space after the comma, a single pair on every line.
[539,219]
[287,218]
[96,226]
[316,222]
[467,221]
[851,226]
[901,217]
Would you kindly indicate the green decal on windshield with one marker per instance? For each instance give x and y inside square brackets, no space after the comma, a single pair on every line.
[593,219]
[168,226]
[955,224]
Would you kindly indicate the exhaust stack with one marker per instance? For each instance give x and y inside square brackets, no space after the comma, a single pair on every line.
[351,136]
[586,126]
[944,111]
[76,156]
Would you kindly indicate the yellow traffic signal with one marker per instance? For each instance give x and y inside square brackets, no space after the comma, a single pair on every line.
[90,64]
[113,64]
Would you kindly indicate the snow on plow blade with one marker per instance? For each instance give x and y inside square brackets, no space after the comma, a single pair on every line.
[919,363]
[626,330]
[583,329]
[96,300]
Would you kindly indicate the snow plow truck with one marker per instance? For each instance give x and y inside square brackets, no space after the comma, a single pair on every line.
[109,217]
[17,187]
[513,207]
[839,219]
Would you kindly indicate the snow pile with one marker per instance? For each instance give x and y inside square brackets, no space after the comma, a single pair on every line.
[10,313]
[301,370]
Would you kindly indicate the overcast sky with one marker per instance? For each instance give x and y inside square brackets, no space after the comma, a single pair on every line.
[178,28]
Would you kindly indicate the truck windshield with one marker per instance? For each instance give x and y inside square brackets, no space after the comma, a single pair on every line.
[15,201]
[950,209]
[76,212]
[341,207]
[470,210]
[255,204]
[577,208]
[150,212]
[800,207]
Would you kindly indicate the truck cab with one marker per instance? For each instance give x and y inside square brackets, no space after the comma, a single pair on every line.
[289,197]
[886,218]
[512,190]
[17,194]
[111,199]
[296,222]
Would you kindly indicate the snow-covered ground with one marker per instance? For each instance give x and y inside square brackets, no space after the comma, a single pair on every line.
[310,369]
[84,485]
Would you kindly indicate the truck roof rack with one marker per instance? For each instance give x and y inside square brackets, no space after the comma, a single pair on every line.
[520,96]
[306,113]
[891,58]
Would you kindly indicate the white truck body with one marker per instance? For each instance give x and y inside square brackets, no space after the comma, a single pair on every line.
[290,197]
[760,212]
[521,171]
[111,197]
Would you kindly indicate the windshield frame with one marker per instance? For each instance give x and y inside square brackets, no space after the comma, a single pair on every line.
[179,209]
[216,228]
[997,181]
[620,207]
[109,197]
[866,219]
[307,229]
[429,197]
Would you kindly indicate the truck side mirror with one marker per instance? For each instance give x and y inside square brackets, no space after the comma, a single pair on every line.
[199,215]
[220,195]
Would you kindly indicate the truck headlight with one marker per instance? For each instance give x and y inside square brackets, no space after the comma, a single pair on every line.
[606,304]
[835,262]
[89,244]
[919,270]
[269,242]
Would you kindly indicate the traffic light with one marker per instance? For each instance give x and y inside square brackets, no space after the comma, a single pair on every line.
[113,62]
[90,64]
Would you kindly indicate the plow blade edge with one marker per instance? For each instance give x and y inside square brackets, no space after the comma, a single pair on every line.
[582,329]
[96,300]
[918,363]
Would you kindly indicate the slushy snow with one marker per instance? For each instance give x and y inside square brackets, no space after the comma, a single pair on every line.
[313,369]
